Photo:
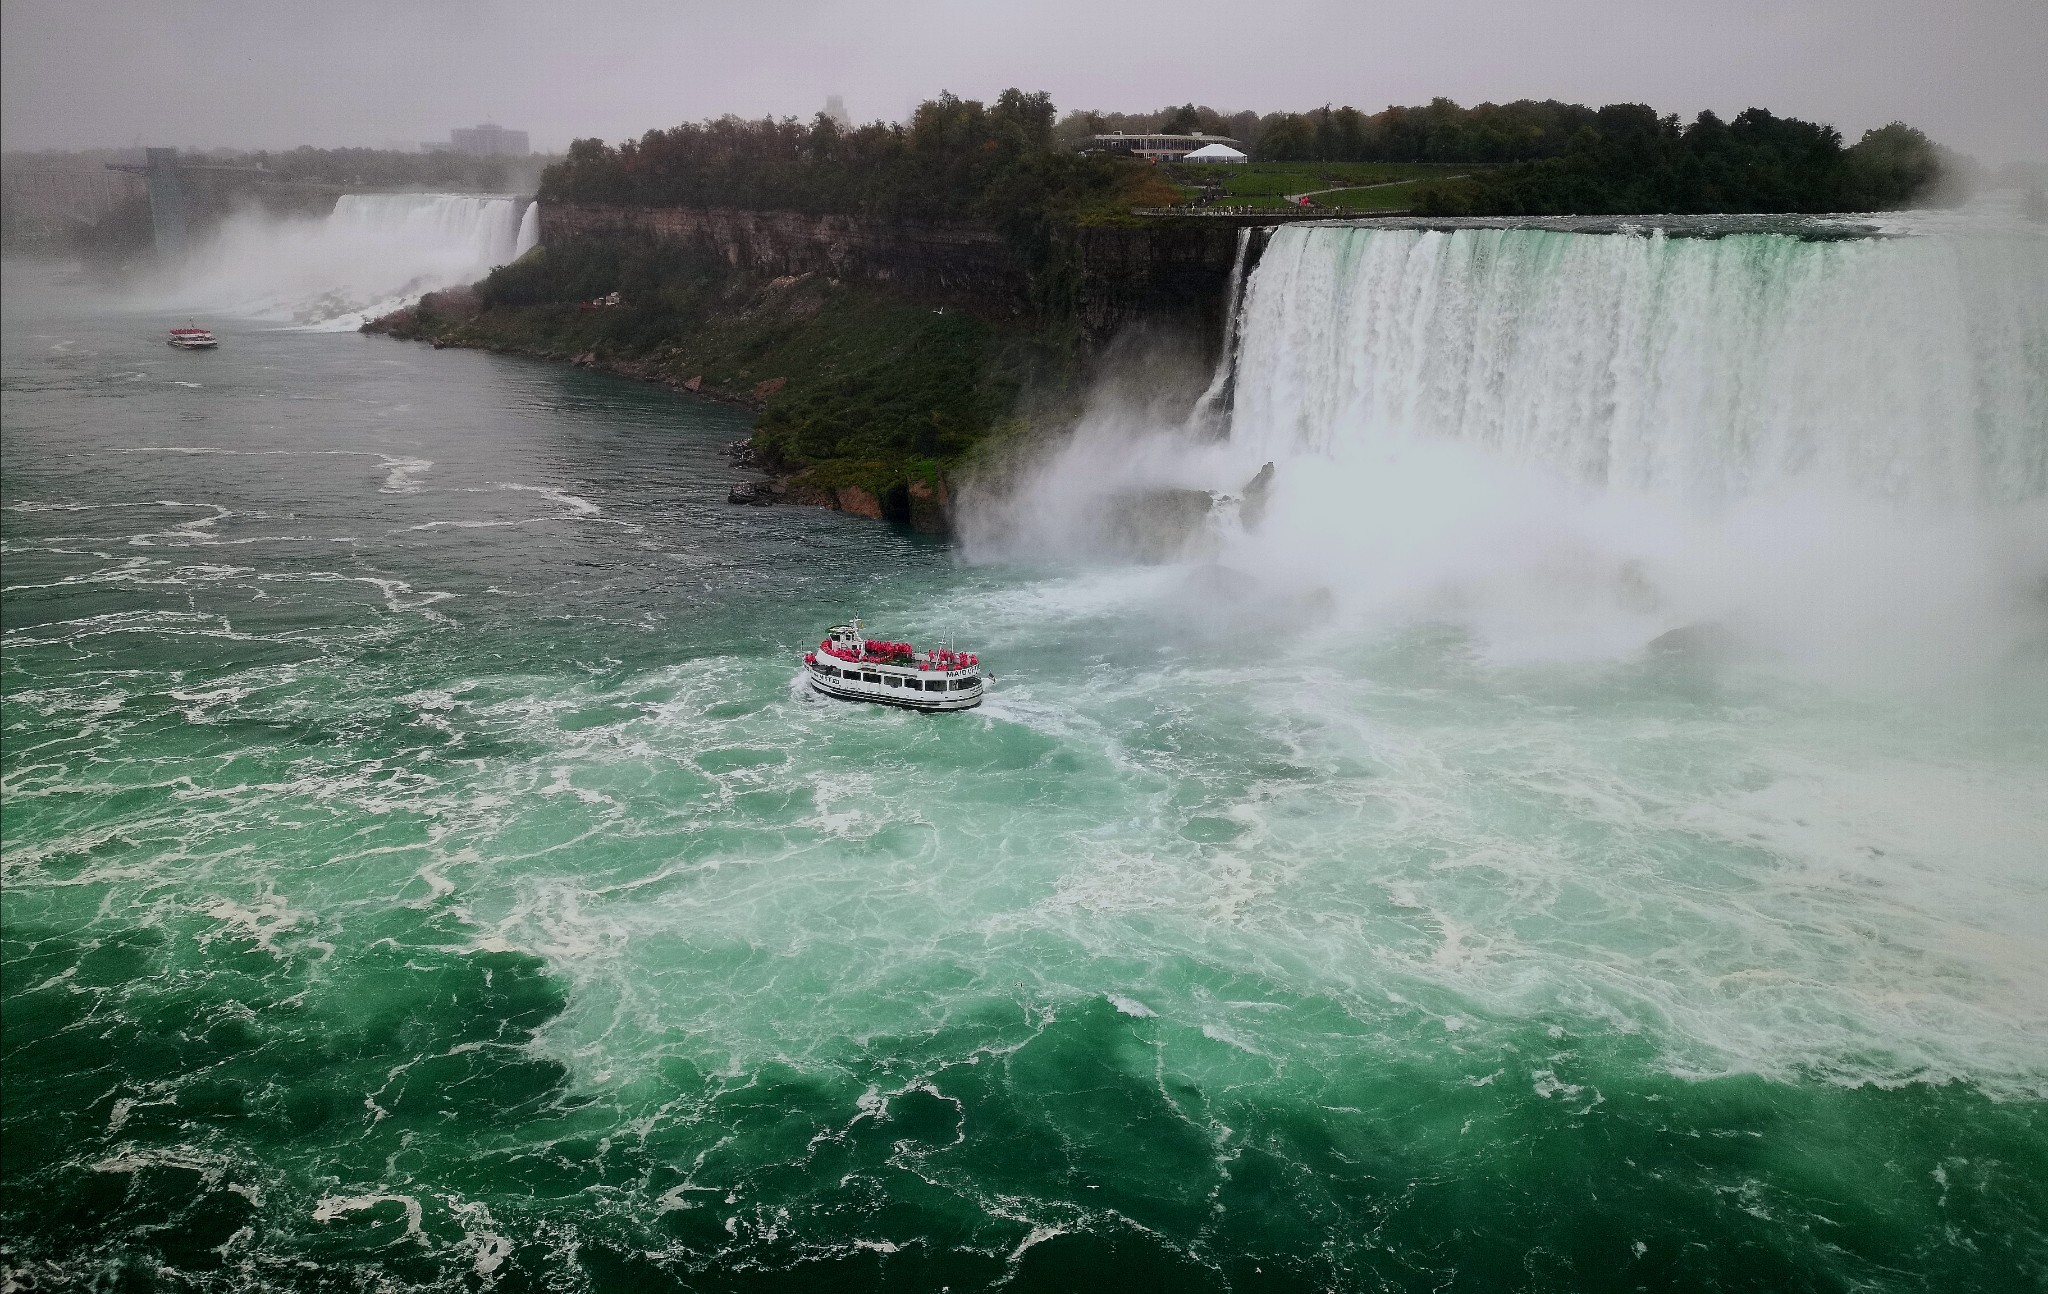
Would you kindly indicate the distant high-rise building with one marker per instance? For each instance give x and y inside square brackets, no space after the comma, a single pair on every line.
[488,140]
[835,108]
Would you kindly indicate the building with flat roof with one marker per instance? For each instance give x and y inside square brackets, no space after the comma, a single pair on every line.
[487,140]
[1155,147]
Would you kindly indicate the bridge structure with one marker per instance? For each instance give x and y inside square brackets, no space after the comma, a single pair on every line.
[163,174]
[46,204]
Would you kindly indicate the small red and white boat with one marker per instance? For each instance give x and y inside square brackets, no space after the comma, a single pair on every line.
[851,666]
[193,339]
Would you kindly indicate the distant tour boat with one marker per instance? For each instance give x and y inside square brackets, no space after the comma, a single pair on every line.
[853,667]
[193,339]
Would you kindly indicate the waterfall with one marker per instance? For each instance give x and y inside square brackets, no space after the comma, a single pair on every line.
[529,231]
[1707,369]
[1215,399]
[1570,444]
[371,254]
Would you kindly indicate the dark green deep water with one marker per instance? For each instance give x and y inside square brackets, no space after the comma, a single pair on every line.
[421,873]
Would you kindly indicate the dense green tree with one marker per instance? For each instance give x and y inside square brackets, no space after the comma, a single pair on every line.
[1291,138]
[1013,162]
[1627,160]
[956,159]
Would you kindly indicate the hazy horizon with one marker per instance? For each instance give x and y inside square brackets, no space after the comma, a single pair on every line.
[242,75]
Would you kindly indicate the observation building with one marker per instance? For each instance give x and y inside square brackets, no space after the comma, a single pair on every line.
[1156,148]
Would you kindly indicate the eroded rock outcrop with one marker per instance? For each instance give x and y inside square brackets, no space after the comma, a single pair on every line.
[931,507]
[858,501]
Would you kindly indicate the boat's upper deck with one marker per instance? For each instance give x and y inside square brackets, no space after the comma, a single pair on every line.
[848,643]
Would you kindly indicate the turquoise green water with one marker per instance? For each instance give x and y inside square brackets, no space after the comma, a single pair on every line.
[421,872]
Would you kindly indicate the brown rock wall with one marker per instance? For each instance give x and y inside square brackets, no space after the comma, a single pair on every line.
[1170,271]
[967,263]
[859,502]
[931,507]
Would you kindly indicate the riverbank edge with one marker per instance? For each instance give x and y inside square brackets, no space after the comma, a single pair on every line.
[446,320]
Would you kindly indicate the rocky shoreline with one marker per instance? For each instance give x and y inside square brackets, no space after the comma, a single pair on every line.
[929,505]
[925,506]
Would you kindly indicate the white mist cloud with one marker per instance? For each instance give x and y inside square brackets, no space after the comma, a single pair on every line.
[1823,455]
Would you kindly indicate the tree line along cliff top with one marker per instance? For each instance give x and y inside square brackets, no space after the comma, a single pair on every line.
[1016,165]
[861,382]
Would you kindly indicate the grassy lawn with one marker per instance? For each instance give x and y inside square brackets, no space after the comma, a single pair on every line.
[1393,197]
[1265,184]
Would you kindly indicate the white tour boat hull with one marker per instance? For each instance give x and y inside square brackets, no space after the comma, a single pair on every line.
[911,688]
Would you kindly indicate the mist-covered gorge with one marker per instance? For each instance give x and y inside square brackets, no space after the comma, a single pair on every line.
[1572,443]
[370,254]
[423,869]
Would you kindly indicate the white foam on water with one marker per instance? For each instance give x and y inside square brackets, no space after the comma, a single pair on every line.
[1507,461]
[405,472]
[1574,443]
[331,1207]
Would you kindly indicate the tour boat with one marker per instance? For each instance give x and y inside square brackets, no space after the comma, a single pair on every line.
[193,339]
[851,666]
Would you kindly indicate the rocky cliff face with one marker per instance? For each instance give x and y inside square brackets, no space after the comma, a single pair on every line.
[1168,272]
[965,263]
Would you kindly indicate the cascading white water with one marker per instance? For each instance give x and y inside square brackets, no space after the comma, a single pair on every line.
[1572,443]
[1700,368]
[529,231]
[371,254]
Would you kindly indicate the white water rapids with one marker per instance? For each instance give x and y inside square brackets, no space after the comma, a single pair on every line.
[1569,444]
[370,255]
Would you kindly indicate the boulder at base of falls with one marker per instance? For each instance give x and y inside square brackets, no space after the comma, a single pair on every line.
[1253,510]
[1705,642]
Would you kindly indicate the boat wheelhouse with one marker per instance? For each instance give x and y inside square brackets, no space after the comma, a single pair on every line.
[193,339]
[851,666]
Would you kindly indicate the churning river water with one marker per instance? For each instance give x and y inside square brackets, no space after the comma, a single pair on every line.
[422,871]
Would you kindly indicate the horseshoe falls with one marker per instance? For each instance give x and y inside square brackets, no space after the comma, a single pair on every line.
[373,253]
[1581,826]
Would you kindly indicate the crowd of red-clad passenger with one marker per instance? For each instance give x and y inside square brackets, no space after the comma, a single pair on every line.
[876,652]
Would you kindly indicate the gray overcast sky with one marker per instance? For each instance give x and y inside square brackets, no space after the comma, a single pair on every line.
[82,73]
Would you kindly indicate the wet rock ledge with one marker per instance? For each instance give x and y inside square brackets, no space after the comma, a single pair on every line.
[926,506]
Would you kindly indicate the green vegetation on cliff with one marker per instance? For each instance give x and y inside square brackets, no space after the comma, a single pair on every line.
[865,383]
[958,160]
[1631,161]
[857,385]
[1439,131]
[1010,166]
[1623,158]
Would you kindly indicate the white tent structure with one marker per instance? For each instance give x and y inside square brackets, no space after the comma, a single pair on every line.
[1214,153]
